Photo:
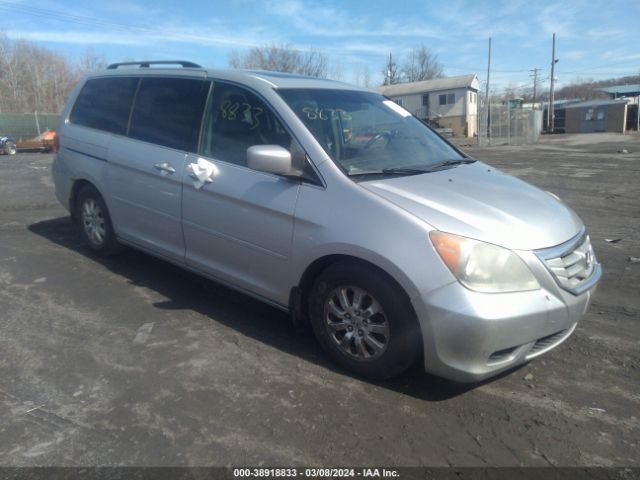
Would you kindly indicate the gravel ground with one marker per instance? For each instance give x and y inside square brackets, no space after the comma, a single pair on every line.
[130,361]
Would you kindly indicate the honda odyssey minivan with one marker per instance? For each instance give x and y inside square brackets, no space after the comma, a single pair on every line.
[330,202]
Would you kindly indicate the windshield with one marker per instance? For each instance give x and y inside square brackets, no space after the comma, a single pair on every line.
[365,132]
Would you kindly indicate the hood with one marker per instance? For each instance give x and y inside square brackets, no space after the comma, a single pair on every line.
[478,201]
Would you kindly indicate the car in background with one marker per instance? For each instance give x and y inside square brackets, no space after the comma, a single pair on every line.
[8,145]
[49,141]
[46,142]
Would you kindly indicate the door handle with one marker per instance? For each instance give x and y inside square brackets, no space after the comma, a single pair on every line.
[164,167]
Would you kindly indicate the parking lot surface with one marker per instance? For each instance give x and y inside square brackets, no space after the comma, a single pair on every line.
[131,361]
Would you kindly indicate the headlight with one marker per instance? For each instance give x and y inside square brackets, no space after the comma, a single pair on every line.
[481,266]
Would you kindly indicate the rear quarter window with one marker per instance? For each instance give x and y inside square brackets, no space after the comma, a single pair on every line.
[168,112]
[104,104]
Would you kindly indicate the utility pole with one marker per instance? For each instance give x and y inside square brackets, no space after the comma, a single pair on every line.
[535,83]
[638,112]
[486,96]
[389,67]
[550,113]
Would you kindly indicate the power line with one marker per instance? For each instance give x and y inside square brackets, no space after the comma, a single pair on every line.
[478,69]
[77,19]
[528,86]
[89,21]
[94,22]
[625,62]
[607,74]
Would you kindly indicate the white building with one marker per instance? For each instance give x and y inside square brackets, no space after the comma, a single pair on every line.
[450,102]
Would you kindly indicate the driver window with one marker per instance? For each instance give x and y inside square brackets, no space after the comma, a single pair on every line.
[237,119]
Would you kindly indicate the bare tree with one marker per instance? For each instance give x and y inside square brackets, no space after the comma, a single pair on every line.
[33,78]
[91,62]
[366,76]
[362,75]
[391,72]
[337,71]
[282,57]
[510,92]
[421,64]
[588,88]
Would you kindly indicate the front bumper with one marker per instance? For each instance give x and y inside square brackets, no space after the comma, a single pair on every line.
[470,336]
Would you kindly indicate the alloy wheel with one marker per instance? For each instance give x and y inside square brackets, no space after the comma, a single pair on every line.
[356,323]
[93,222]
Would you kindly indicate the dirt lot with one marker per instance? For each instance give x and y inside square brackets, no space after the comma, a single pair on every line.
[131,361]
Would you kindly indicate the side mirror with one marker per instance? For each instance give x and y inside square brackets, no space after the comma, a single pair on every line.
[271,159]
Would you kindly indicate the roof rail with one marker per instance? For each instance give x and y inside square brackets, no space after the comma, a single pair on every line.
[148,63]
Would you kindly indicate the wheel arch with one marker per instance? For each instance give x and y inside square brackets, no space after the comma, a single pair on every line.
[76,187]
[299,295]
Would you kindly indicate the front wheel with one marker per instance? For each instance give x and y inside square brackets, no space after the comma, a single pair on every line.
[364,321]
[10,148]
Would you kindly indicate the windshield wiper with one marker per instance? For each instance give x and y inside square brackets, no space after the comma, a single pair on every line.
[404,171]
[390,171]
[448,163]
[412,171]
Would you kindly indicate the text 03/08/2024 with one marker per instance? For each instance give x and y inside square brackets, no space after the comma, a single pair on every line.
[315,472]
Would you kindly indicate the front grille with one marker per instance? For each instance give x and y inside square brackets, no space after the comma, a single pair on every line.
[547,342]
[571,264]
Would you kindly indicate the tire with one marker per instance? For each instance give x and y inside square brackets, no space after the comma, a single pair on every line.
[364,321]
[94,222]
[10,148]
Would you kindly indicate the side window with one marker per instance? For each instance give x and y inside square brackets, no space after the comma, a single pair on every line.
[451,98]
[442,99]
[168,111]
[105,103]
[237,119]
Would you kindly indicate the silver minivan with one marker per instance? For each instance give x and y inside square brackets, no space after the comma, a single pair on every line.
[330,202]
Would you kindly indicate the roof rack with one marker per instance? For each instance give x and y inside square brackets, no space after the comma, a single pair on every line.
[148,63]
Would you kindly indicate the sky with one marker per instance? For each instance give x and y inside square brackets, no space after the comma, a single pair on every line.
[594,39]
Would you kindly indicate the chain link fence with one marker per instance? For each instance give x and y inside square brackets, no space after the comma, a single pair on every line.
[508,125]
[25,126]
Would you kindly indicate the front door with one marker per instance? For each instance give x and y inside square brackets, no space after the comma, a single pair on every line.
[239,226]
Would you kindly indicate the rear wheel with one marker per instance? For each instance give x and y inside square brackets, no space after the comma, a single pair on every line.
[364,321]
[10,148]
[95,223]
